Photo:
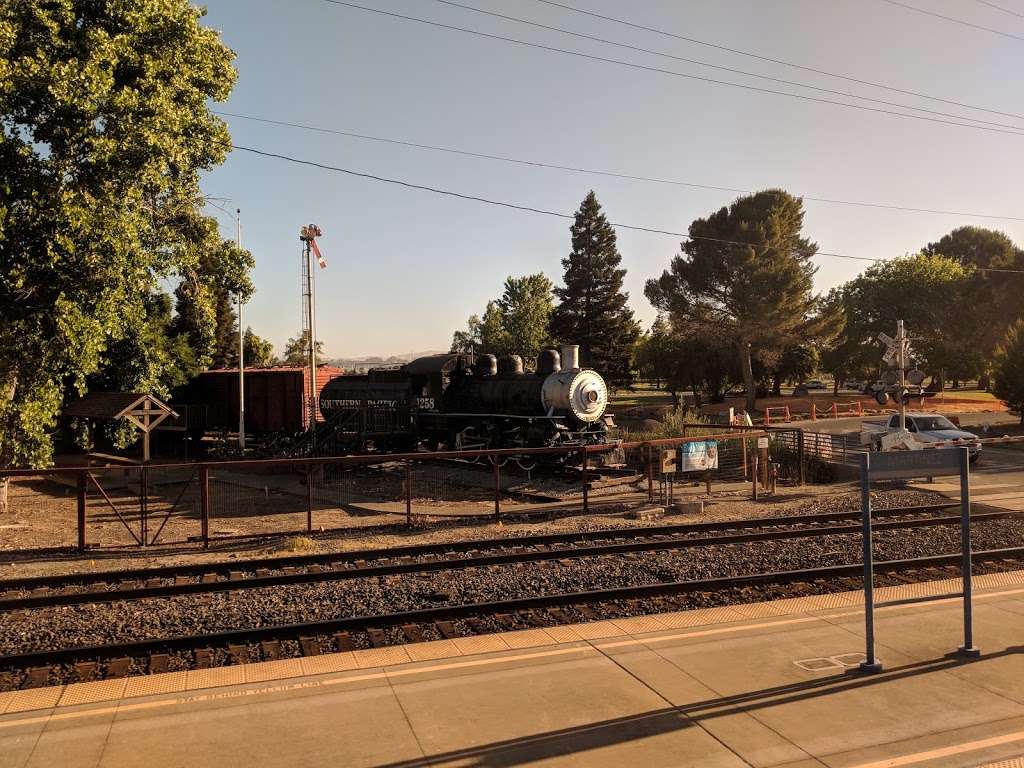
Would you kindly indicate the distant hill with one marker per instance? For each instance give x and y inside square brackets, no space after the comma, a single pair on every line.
[376,361]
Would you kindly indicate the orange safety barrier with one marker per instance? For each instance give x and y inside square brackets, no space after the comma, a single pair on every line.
[768,414]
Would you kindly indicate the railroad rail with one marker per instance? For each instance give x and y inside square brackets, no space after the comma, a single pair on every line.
[109,586]
[117,658]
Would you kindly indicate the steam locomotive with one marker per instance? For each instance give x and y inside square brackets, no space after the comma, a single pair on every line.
[460,401]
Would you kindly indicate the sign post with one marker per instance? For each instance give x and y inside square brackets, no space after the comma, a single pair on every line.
[904,465]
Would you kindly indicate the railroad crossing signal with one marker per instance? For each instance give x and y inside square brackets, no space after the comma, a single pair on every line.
[895,349]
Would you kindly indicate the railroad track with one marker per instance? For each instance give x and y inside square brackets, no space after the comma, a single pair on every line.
[80,589]
[314,638]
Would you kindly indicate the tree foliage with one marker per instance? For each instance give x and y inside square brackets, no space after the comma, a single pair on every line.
[745,280]
[106,128]
[296,351]
[516,323]
[1009,369]
[929,293]
[259,353]
[991,300]
[592,309]
[468,341]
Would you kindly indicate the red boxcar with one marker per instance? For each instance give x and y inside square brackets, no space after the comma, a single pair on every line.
[275,398]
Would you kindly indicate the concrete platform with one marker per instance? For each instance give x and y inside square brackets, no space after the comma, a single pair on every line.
[766,684]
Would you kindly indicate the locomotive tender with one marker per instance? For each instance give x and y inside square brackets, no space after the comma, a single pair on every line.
[462,402]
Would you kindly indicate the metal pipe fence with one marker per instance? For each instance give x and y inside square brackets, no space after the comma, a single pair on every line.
[142,505]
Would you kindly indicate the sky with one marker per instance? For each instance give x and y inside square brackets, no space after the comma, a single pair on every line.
[407,267]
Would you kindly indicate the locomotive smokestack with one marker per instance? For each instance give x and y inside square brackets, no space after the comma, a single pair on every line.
[570,357]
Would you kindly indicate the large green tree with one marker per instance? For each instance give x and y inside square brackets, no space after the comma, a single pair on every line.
[592,309]
[930,294]
[991,299]
[105,128]
[296,351]
[746,278]
[516,323]
[1009,369]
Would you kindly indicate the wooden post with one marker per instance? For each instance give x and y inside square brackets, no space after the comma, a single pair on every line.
[762,463]
[753,475]
[707,480]
[650,474]
[497,489]
[143,495]
[814,412]
[743,447]
[800,455]
[82,486]
[204,504]
[408,493]
[835,410]
[585,480]
[309,498]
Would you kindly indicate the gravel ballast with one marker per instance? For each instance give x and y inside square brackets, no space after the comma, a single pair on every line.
[104,623]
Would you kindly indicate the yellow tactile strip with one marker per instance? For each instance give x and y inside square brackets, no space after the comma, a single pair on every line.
[1013,762]
[173,682]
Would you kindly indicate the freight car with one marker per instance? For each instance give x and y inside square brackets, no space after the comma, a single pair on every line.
[460,401]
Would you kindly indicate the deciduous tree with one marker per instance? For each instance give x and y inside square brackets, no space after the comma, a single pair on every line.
[296,351]
[1009,369]
[105,128]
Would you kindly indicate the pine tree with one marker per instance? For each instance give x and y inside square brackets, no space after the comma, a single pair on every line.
[745,278]
[592,311]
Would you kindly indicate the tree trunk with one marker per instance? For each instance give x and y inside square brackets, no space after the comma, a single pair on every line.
[748,377]
[777,385]
[983,382]
[5,483]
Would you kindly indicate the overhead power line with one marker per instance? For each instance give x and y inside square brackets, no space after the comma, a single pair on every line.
[595,172]
[1001,8]
[733,70]
[673,73]
[782,62]
[533,209]
[954,20]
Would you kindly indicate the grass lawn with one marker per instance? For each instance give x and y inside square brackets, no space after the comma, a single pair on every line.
[640,395]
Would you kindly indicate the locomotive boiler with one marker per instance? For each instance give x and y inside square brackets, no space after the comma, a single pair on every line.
[461,401]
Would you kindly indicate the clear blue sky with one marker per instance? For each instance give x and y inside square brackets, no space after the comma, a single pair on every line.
[407,267]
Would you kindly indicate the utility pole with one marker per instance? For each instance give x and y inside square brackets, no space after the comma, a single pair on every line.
[241,345]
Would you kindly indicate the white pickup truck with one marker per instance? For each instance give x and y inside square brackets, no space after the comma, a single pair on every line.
[923,428]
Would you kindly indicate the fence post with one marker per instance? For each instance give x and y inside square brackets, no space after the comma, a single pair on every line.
[870,663]
[800,455]
[585,481]
[82,480]
[967,649]
[408,493]
[767,417]
[144,512]
[814,412]
[650,474]
[835,410]
[204,503]
[753,474]
[309,498]
[497,489]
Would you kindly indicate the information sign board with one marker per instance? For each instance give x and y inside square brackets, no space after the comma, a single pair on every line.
[903,465]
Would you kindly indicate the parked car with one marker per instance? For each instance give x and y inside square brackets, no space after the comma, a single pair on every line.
[854,385]
[814,384]
[926,428]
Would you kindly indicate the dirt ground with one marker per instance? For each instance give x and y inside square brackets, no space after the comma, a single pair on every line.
[260,516]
